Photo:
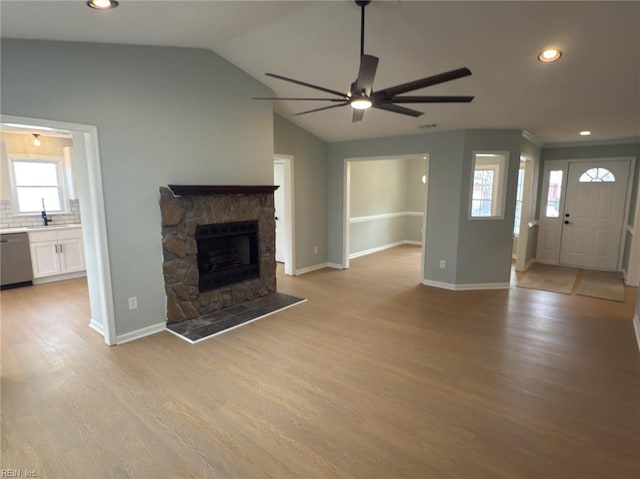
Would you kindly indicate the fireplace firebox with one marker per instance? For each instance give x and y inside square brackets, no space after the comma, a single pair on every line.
[227,253]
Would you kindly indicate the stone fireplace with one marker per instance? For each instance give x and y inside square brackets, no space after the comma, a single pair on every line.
[218,244]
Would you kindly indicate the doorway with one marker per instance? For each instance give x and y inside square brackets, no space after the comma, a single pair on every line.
[583,212]
[91,197]
[283,203]
[384,204]
[594,213]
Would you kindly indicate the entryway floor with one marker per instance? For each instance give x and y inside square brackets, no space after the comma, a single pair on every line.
[561,279]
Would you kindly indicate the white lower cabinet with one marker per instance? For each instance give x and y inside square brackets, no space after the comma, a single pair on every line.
[56,252]
[44,258]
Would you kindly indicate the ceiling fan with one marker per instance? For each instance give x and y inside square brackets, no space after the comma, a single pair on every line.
[361,95]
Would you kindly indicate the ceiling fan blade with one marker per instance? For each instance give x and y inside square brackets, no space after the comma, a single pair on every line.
[422,83]
[357,115]
[398,109]
[303,99]
[368,67]
[309,85]
[429,99]
[320,109]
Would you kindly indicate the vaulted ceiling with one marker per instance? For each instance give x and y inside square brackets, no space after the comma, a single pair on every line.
[594,86]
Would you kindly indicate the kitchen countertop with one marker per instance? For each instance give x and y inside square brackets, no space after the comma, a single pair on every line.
[26,229]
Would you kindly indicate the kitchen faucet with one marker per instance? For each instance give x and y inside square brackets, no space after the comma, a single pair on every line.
[45,219]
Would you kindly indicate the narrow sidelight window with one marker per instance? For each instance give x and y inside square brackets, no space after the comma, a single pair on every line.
[553,196]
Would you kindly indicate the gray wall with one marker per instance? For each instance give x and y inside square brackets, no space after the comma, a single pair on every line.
[310,189]
[483,256]
[485,245]
[445,153]
[164,115]
[378,187]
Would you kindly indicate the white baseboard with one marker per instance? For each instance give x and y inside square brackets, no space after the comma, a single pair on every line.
[546,261]
[365,252]
[439,284]
[527,265]
[636,326]
[59,277]
[96,326]
[309,269]
[140,333]
[482,286]
[465,287]
[316,267]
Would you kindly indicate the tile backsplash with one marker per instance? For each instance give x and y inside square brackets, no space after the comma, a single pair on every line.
[8,219]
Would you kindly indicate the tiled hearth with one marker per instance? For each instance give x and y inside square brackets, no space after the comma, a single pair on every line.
[183,209]
[204,327]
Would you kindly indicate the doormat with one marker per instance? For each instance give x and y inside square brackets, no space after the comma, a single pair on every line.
[557,279]
[602,284]
[218,322]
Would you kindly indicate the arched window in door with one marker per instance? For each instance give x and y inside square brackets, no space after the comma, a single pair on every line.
[597,175]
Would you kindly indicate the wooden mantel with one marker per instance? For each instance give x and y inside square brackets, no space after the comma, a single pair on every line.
[202,190]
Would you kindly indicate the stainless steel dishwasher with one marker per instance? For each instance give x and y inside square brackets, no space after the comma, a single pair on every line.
[15,260]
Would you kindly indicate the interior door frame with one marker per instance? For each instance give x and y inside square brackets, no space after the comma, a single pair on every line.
[527,200]
[346,201]
[632,274]
[289,221]
[99,274]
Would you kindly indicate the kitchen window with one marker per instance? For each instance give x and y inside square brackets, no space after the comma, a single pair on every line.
[38,185]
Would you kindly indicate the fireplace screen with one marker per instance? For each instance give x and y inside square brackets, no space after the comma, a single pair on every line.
[227,253]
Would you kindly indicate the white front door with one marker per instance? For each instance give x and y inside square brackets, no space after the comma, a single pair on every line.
[278,178]
[594,213]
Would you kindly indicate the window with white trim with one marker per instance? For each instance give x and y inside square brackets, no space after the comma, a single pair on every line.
[38,182]
[488,185]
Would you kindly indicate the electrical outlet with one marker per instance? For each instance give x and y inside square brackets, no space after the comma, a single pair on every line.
[442,264]
[315,250]
[133,302]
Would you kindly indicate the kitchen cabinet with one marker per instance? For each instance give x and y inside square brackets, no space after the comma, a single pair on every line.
[56,252]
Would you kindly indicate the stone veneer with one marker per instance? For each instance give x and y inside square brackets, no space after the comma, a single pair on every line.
[180,216]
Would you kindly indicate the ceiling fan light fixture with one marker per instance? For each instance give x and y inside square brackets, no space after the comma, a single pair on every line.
[361,103]
[549,55]
[102,4]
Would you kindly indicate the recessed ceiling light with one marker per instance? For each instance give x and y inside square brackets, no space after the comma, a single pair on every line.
[549,55]
[102,4]
[585,133]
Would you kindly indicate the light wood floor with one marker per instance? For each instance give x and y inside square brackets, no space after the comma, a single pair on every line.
[374,377]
